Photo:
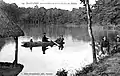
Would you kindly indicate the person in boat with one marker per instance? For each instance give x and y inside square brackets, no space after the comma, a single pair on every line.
[60,41]
[105,46]
[44,38]
[31,39]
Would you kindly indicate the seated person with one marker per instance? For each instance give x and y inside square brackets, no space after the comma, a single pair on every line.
[44,38]
[60,41]
[31,40]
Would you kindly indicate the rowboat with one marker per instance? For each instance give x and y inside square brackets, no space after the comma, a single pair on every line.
[38,44]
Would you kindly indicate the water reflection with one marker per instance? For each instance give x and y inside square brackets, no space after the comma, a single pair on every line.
[77,33]
[76,53]
[44,49]
[2,43]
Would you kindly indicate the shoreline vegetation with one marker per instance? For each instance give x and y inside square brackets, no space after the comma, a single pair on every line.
[103,13]
[108,65]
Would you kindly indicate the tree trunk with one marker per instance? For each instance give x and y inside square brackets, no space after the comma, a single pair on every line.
[90,31]
[16,50]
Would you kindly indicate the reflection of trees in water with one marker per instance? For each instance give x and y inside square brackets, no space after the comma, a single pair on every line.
[77,33]
[56,31]
[109,33]
[80,34]
[2,43]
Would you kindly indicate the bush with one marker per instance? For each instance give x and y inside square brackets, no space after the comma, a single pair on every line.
[62,72]
[84,71]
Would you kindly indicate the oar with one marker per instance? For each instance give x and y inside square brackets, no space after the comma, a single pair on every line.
[54,42]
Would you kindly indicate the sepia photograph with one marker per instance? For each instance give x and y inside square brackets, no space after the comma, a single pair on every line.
[59,38]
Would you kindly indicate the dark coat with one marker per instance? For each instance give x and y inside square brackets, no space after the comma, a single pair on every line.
[60,41]
[44,39]
[105,43]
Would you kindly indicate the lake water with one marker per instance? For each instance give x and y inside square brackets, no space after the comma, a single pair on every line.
[76,54]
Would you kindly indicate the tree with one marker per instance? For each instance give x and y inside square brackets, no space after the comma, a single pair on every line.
[86,3]
[12,10]
[107,11]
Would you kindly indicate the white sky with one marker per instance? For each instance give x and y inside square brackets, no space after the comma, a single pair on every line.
[40,3]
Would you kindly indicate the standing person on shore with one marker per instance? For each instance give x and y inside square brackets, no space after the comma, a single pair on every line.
[105,46]
[117,40]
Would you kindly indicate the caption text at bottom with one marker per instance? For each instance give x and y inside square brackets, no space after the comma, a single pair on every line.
[37,74]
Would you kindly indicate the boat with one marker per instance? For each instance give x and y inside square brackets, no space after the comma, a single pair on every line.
[38,44]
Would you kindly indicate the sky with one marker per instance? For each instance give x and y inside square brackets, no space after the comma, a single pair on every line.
[62,4]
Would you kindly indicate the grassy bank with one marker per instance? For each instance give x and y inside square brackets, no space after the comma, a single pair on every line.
[109,65]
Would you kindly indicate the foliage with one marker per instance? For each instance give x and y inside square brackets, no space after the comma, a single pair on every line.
[107,12]
[85,70]
[12,10]
[44,16]
[104,12]
[62,72]
[92,69]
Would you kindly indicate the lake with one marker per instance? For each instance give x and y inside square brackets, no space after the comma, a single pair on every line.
[77,51]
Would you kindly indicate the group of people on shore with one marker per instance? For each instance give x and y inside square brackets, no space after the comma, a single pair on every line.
[105,45]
